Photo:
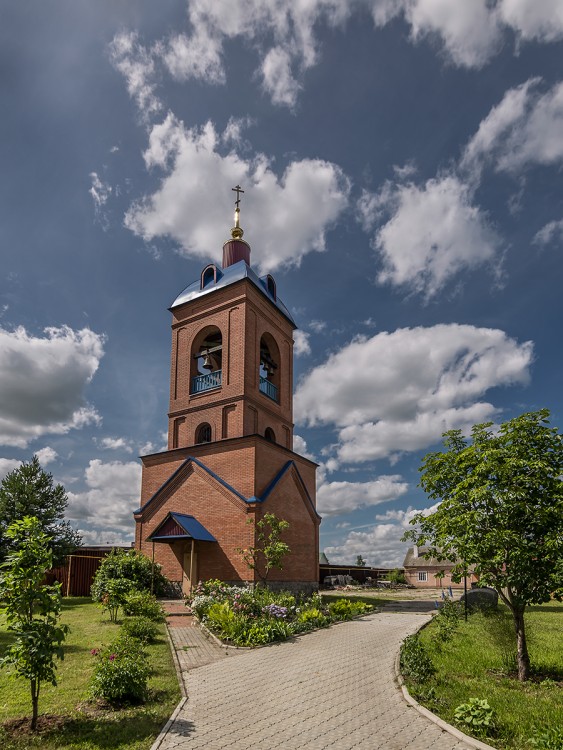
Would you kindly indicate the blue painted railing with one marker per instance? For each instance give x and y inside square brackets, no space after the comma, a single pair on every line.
[206,382]
[268,389]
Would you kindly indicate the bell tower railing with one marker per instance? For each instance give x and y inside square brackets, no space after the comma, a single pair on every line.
[268,389]
[207,382]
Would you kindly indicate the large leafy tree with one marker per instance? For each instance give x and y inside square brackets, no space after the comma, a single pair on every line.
[30,491]
[32,609]
[500,512]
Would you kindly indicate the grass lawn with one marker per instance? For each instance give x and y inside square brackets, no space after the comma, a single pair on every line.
[85,726]
[480,663]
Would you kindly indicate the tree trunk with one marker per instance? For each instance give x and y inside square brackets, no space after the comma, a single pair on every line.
[34,703]
[521,646]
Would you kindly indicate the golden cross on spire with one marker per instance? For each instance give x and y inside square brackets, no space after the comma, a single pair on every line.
[236,231]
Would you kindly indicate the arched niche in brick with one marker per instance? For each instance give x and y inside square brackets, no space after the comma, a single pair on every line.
[203,433]
[270,435]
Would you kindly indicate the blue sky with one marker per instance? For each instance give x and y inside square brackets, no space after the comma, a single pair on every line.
[402,171]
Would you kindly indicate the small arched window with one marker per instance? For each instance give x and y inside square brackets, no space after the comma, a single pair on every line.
[270,435]
[271,286]
[208,275]
[203,433]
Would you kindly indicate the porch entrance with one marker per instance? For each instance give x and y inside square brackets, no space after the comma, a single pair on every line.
[189,570]
[177,527]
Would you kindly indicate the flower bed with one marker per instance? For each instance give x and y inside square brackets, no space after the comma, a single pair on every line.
[243,616]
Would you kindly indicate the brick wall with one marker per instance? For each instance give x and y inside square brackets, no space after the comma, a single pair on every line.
[249,465]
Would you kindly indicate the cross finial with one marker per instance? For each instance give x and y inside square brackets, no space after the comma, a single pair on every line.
[236,231]
[237,190]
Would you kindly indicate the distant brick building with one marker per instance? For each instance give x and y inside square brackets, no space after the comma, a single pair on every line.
[230,453]
[430,573]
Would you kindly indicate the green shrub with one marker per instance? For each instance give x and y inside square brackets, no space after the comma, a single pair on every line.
[121,673]
[548,738]
[396,576]
[345,609]
[133,566]
[221,619]
[448,620]
[143,604]
[415,662]
[475,716]
[308,619]
[142,628]
[265,631]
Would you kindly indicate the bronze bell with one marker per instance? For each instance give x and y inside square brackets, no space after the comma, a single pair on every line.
[207,363]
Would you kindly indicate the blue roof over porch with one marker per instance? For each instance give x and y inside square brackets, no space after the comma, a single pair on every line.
[178,526]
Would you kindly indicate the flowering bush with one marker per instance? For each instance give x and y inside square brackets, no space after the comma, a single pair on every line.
[275,611]
[248,617]
[121,672]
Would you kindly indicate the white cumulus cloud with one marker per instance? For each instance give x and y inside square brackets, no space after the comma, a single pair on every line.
[400,391]
[335,498]
[551,232]
[301,345]
[524,129]
[433,232]
[379,545]
[43,381]
[46,455]
[281,31]
[470,32]
[192,207]
[137,65]
[7,465]
[112,495]
[532,19]
[115,444]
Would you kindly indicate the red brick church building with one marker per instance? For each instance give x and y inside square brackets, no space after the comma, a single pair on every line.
[230,453]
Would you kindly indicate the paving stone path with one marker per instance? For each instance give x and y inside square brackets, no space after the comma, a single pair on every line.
[332,689]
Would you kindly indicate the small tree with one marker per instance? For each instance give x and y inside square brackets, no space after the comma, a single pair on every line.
[501,512]
[30,491]
[269,550]
[360,561]
[32,609]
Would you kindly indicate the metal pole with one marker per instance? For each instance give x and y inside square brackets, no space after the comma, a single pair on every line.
[465,595]
[192,566]
[152,572]
[68,579]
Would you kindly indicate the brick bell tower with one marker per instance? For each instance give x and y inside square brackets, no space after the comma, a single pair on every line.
[230,453]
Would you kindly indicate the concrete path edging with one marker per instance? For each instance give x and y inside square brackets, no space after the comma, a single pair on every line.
[429,715]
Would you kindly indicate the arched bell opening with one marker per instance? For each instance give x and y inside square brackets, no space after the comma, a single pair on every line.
[269,367]
[270,435]
[206,362]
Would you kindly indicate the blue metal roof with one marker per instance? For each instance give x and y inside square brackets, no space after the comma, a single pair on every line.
[226,277]
[192,527]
